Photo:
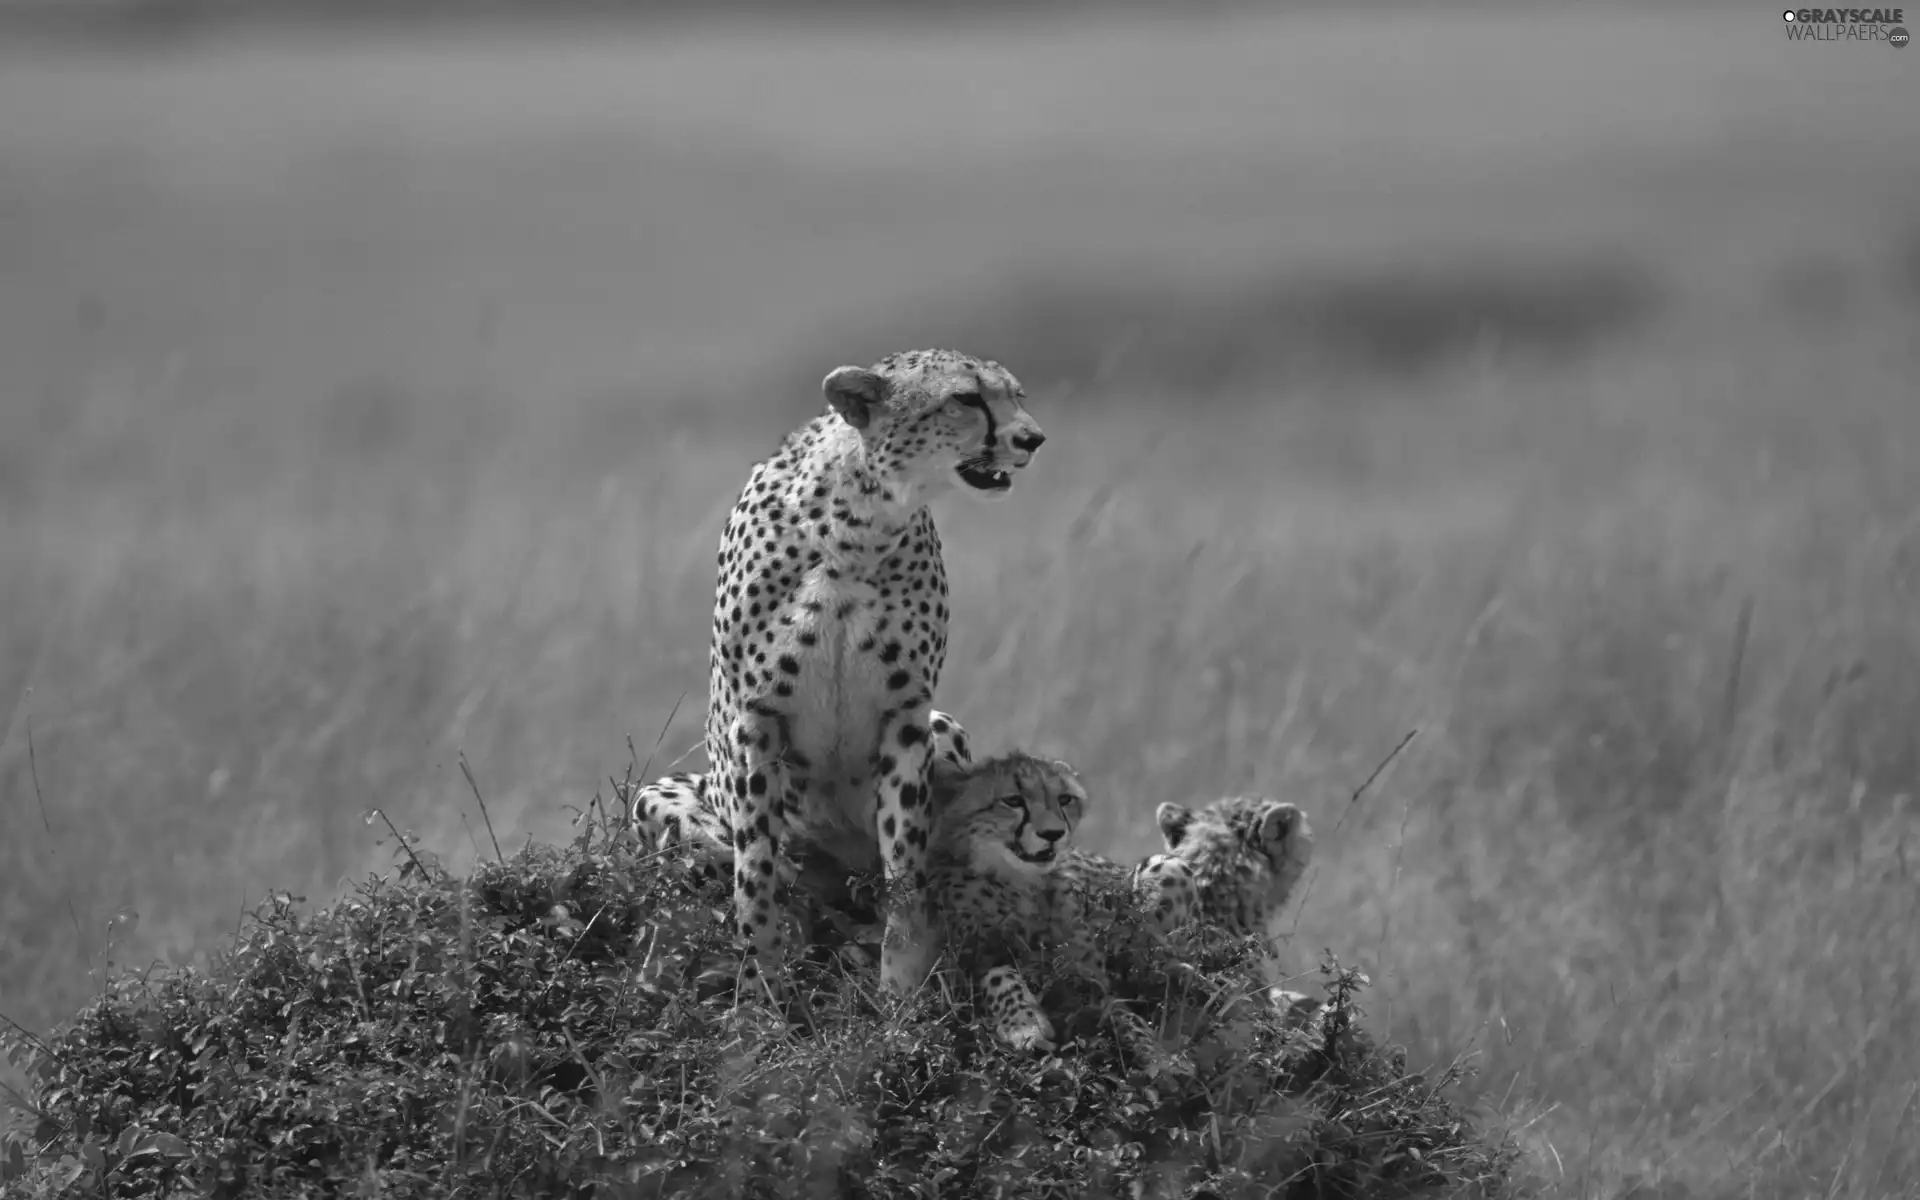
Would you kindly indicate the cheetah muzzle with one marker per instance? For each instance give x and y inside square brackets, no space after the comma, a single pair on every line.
[989,474]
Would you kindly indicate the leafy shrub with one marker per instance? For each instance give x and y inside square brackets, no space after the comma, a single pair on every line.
[560,1024]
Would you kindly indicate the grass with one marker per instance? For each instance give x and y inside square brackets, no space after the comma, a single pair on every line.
[367,405]
[563,1024]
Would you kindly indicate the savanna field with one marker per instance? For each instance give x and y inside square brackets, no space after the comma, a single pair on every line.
[1544,380]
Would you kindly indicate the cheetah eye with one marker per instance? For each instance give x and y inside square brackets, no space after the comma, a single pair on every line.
[961,401]
[1014,801]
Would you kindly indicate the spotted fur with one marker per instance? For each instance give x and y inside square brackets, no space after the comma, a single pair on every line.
[680,811]
[1009,890]
[676,813]
[682,815]
[830,632]
[1244,857]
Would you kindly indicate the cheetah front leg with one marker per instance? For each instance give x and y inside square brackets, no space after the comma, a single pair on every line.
[755,777]
[905,819]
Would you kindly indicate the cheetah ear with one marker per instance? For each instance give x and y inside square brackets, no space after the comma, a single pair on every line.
[944,779]
[854,393]
[1276,822]
[1173,820]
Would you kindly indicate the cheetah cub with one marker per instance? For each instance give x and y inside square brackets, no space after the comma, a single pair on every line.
[830,632]
[1231,866]
[1246,855]
[682,814]
[1009,891]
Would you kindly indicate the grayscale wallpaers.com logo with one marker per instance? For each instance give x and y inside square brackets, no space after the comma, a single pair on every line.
[1847,25]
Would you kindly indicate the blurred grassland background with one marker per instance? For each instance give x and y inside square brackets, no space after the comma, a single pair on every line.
[371,397]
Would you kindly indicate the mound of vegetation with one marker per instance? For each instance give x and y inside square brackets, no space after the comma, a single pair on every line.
[560,1024]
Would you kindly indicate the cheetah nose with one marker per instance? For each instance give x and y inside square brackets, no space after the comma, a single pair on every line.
[1053,835]
[1028,442]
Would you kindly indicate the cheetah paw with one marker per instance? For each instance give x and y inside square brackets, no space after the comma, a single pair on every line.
[1296,1008]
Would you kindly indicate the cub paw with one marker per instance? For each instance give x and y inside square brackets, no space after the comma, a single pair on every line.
[1029,1033]
[904,959]
[1297,1009]
[854,957]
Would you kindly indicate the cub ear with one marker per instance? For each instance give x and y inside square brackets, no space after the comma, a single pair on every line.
[944,779]
[854,392]
[1277,820]
[1074,791]
[1173,820]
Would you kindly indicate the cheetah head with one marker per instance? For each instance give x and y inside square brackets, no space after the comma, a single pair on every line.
[1247,853]
[937,420]
[1163,883]
[1009,815]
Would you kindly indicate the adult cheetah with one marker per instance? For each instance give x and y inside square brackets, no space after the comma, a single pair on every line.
[830,632]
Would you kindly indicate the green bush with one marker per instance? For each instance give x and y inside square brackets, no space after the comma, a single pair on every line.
[561,1024]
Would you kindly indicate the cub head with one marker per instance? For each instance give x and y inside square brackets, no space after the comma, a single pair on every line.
[936,420]
[1247,854]
[1163,884]
[1014,814]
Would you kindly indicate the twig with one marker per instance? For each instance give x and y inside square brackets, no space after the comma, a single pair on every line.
[471,840]
[1730,699]
[34,1039]
[1897,1121]
[599,1084]
[25,1105]
[1368,781]
[33,769]
[671,714]
[1724,915]
[401,838]
[481,800]
[568,956]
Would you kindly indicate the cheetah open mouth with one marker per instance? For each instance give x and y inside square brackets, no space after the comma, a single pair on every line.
[1038,856]
[983,478]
